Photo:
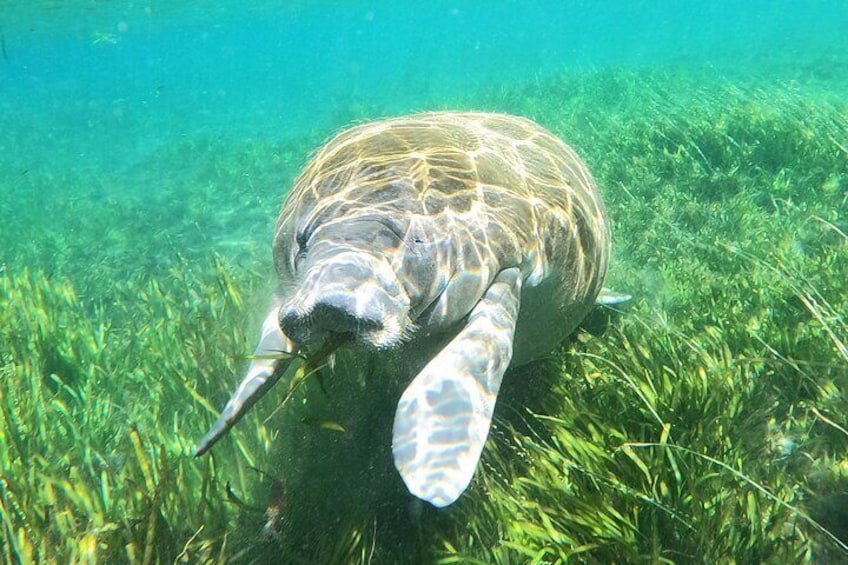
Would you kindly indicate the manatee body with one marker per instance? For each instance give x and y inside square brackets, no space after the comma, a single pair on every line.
[464,242]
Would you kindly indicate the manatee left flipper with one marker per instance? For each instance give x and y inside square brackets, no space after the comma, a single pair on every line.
[272,356]
[444,415]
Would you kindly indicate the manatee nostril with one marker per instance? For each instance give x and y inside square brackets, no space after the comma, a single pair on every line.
[325,317]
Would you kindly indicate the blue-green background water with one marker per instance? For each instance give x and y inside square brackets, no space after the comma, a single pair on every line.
[101,84]
[145,149]
[106,91]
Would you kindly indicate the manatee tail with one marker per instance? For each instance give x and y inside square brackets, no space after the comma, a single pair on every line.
[609,297]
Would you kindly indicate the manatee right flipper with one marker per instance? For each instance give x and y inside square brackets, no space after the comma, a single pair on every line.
[443,417]
[270,360]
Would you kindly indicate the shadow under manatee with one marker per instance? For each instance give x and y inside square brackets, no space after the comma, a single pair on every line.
[529,388]
[339,497]
[342,500]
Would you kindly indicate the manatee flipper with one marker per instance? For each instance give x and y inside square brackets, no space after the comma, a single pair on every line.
[444,415]
[272,356]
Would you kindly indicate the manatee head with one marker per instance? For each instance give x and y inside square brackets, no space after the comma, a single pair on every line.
[346,285]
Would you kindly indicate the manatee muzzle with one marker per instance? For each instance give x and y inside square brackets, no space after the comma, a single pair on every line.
[351,294]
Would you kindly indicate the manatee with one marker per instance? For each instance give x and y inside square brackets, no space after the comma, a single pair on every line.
[476,241]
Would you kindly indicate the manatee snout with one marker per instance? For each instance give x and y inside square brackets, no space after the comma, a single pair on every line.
[334,313]
[352,295]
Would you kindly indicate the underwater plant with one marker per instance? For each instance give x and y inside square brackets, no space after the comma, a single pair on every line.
[706,422]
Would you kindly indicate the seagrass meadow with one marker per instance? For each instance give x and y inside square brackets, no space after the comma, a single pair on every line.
[707,421]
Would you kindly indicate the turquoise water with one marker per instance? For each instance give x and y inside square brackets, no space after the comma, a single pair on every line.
[106,82]
[145,149]
[105,89]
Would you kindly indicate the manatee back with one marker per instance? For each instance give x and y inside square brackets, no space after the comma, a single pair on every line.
[499,190]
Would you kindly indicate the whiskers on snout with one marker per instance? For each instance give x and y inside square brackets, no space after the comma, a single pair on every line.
[345,320]
[350,294]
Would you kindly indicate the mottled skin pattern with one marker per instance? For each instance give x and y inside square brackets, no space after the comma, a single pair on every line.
[481,227]
[451,199]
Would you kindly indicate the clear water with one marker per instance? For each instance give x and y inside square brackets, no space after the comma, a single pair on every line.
[140,140]
[103,83]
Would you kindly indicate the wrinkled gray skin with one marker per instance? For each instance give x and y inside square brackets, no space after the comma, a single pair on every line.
[480,232]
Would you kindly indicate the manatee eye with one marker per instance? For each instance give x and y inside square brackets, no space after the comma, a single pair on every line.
[301,238]
[298,257]
[417,237]
[300,254]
